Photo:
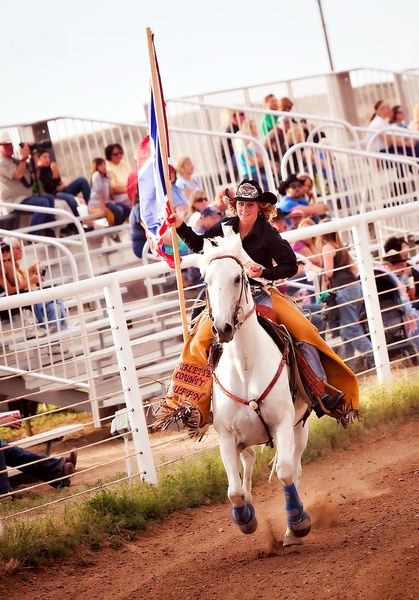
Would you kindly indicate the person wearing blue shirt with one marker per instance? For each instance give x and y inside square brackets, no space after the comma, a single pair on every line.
[292,193]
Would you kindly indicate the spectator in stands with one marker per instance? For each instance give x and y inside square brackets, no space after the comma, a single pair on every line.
[49,469]
[138,233]
[249,158]
[308,246]
[16,184]
[119,171]
[18,279]
[209,217]
[49,180]
[279,221]
[186,181]
[100,197]
[197,202]
[340,272]
[307,184]
[414,123]
[386,142]
[395,262]
[397,117]
[292,194]
[295,216]
[268,122]
[231,121]
[220,199]
[295,135]
[276,145]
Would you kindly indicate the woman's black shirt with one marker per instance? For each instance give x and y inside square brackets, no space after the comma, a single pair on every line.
[263,244]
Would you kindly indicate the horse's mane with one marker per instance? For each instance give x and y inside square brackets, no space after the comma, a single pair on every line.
[219,246]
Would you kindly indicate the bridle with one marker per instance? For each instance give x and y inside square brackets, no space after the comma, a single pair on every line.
[253,404]
[244,291]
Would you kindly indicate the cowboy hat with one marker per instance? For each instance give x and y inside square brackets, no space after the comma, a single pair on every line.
[285,184]
[249,190]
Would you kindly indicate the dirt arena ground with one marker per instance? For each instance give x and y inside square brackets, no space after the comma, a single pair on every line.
[363,544]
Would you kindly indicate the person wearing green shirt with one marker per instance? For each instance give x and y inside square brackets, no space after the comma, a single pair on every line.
[269,121]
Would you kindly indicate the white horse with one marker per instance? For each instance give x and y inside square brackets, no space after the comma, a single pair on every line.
[249,365]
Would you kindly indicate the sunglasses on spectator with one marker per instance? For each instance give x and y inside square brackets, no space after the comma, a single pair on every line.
[201,199]
[296,185]
[117,153]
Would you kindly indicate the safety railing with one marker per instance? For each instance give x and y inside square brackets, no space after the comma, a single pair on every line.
[352,181]
[285,129]
[394,140]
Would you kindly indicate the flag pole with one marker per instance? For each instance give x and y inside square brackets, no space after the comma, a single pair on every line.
[161,126]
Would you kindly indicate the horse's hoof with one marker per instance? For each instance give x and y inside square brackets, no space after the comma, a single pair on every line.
[290,539]
[245,518]
[302,528]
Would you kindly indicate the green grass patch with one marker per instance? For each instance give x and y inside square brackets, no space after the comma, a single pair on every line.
[114,515]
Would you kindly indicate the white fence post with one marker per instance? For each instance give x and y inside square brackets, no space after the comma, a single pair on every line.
[372,304]
[129,382]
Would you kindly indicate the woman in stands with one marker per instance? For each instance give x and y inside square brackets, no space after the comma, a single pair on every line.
[341,273]
[18,279]
[118,170]
[197,202]
[267,258]
[186,181]
[249,158]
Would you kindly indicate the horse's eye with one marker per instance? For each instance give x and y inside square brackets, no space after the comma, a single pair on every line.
[237,279]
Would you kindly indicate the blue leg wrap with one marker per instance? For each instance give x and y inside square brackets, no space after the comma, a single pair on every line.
[293,504]
[297,519]
[243,514]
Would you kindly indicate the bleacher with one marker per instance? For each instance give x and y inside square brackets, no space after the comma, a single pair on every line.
[79,367]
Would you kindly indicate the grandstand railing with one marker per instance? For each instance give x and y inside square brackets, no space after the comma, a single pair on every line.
[353,181]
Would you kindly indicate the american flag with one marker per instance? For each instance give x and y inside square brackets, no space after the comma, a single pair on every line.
[154,207]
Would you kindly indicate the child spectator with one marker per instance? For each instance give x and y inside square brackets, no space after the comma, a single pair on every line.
[209,217]
[269,121]
[100,198]
[292,194]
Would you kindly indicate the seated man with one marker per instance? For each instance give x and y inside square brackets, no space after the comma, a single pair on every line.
[16,184]
[49,470]
[292,193]
[51,182]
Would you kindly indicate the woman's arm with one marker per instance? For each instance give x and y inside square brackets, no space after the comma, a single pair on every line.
[328,253]
[283,255]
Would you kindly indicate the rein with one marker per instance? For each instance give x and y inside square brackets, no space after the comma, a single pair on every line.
[253,404]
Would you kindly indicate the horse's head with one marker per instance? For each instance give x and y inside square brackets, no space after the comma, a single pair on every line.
[227,285]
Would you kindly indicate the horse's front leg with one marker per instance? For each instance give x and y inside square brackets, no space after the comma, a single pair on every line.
[298,521]
[248,458]
[243,513]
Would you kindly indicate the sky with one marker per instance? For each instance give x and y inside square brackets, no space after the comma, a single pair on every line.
[88,58]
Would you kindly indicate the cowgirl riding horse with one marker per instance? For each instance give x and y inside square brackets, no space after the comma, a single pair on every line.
[267,257]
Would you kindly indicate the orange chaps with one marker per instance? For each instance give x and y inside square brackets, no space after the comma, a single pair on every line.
[191,381]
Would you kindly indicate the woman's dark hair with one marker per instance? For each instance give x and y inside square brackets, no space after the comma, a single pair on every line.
[109,149]
[394,243]
[394,112]
[376,107]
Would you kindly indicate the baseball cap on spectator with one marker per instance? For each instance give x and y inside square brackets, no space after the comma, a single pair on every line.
[296,213]
[284,185]
[210,211]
